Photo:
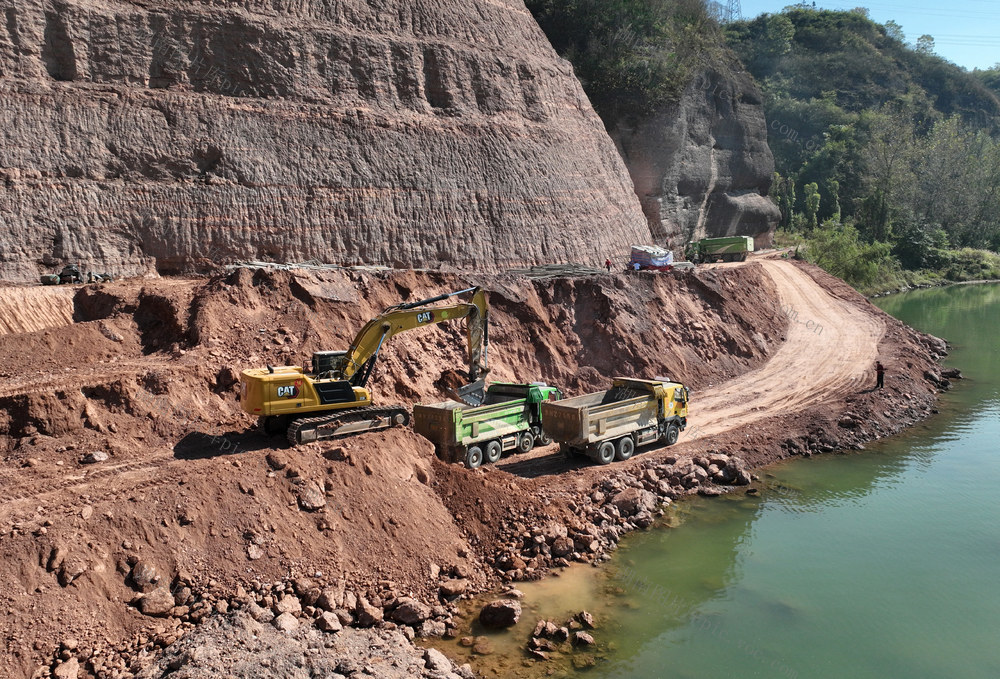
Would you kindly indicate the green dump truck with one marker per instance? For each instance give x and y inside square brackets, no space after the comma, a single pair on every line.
[610,425]
[508,420]
[728,249]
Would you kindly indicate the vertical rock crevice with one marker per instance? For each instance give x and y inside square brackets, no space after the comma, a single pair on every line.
[58,52]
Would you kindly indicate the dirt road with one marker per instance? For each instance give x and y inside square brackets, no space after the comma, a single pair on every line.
[827,354]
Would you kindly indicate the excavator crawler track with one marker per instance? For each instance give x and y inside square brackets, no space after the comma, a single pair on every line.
[344,423]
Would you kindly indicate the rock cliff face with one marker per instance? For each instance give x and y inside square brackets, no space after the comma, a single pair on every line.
[702,167]
[427,133]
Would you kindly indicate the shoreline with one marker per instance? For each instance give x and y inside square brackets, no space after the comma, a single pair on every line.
[498,525]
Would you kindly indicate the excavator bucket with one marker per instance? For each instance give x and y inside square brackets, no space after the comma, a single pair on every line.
[470,394]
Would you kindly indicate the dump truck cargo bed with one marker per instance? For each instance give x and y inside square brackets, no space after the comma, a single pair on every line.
[640,411]
[508,420]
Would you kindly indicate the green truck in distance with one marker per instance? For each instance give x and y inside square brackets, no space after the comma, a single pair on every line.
[728,249]
[510,419]
[611,424]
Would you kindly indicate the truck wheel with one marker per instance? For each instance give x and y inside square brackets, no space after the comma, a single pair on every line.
[605,453]
[474,457]
[626,446]
[493,451]
[525,442]
[671,434]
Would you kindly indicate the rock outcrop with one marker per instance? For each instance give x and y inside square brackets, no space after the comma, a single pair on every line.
[164,136]
[702,167]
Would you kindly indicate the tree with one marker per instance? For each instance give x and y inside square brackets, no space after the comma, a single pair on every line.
[925,44]
[834,189]
[812,203]
[894,31]
[888,156]
[783,194]
[838,248]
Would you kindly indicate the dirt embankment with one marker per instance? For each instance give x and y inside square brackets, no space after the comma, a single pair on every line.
[130,481]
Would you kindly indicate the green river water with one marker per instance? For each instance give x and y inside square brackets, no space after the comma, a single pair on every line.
[880,563]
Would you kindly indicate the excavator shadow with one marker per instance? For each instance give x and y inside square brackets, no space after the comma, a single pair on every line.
[199,446]
[546,465]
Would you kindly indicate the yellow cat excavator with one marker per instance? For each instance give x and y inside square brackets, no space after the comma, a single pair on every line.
[331,399]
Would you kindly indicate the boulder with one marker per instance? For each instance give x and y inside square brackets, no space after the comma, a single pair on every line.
[410,612]
[366,614]
[311,496]
[500,613]
[562,546]
[634,500]
[286,622]
[158,603]
[453,587]
[436,661]
[328,622]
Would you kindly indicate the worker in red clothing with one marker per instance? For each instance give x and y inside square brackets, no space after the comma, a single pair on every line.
[879,375]
[607,265]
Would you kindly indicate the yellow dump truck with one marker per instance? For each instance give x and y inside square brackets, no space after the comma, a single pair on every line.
[610,425]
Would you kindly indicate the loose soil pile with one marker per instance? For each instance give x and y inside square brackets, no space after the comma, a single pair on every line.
[131,481]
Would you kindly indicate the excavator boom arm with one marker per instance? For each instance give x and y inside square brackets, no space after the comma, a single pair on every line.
[361,355]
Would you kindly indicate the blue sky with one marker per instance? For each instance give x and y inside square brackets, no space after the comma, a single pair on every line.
[966,32]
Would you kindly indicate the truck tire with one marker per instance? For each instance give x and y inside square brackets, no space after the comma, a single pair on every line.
[605,453]
[671,434]
[493,451]
[525,442]
[473,457]
[625,448]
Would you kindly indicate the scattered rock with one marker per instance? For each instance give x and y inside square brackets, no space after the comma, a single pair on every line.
[433,628]
[586,619]
[311,496]
[562,546]
[582,639]
[144,576]
[94,457]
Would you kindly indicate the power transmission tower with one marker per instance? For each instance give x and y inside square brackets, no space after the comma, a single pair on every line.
[731,11]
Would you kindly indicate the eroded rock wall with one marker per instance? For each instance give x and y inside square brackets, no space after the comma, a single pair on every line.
[702,167]
[164,135]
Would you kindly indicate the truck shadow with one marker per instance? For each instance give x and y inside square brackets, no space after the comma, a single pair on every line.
[545,465]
